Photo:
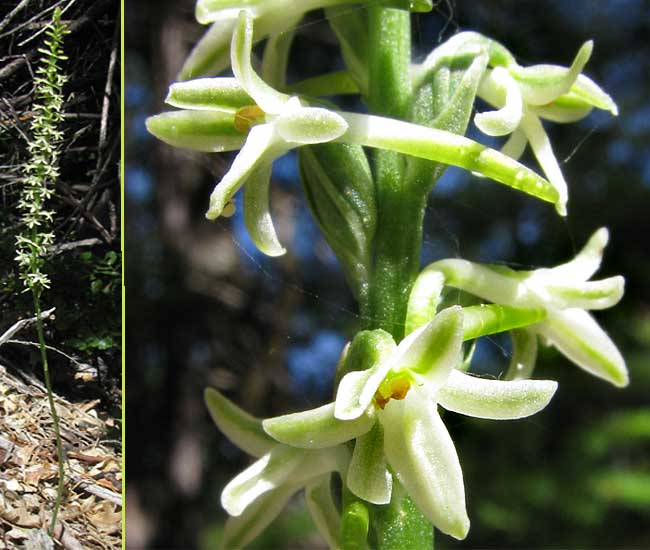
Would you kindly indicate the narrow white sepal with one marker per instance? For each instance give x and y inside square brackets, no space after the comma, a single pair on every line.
[541,146]
[269,100]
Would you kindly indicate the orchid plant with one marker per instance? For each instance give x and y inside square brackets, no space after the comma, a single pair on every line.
[367,177]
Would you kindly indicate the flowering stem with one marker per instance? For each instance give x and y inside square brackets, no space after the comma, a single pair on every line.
[398,239]
[54,414]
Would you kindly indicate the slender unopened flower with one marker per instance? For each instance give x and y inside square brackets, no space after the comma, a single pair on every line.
[272,17]
[524,95]
[391,411]
[256,496]
[565,292]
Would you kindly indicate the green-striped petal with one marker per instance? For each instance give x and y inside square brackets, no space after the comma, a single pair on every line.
[494,399]
[577,335]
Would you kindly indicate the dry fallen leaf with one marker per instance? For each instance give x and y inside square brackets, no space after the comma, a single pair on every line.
[106,519]
[21,517]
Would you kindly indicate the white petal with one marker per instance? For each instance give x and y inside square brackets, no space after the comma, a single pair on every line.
[541,146]
[308,125]
[270,100]
[259,147]
[541,84]
[495,399]
[437,348]
[241,530]
[368,477]
[326,516]
[209,94]
[507,118]
[577,335]
[316,428]
[422,455]
[586,262]
[241,428]
[256,212]
[589,295]
[524,355]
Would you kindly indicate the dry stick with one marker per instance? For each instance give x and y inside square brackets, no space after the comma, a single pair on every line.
[9,333]
[12,13]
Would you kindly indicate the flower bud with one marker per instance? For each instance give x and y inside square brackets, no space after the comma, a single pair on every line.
[340,191]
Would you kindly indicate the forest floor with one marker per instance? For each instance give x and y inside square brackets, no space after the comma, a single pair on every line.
[91,513]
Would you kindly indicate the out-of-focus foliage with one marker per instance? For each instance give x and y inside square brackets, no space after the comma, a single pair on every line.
[206,309]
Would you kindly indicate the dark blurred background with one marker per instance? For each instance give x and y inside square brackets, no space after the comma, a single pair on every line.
[204,308]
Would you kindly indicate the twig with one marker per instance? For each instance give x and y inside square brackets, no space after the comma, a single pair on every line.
[8,334]
[12,13]
[97,490]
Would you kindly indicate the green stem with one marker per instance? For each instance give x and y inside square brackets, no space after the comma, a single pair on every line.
[55,416]
[398,240]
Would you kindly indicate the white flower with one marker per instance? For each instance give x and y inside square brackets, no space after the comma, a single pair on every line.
[391,410]
[524,95]
[257,495]
[565,292]
[272,122]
